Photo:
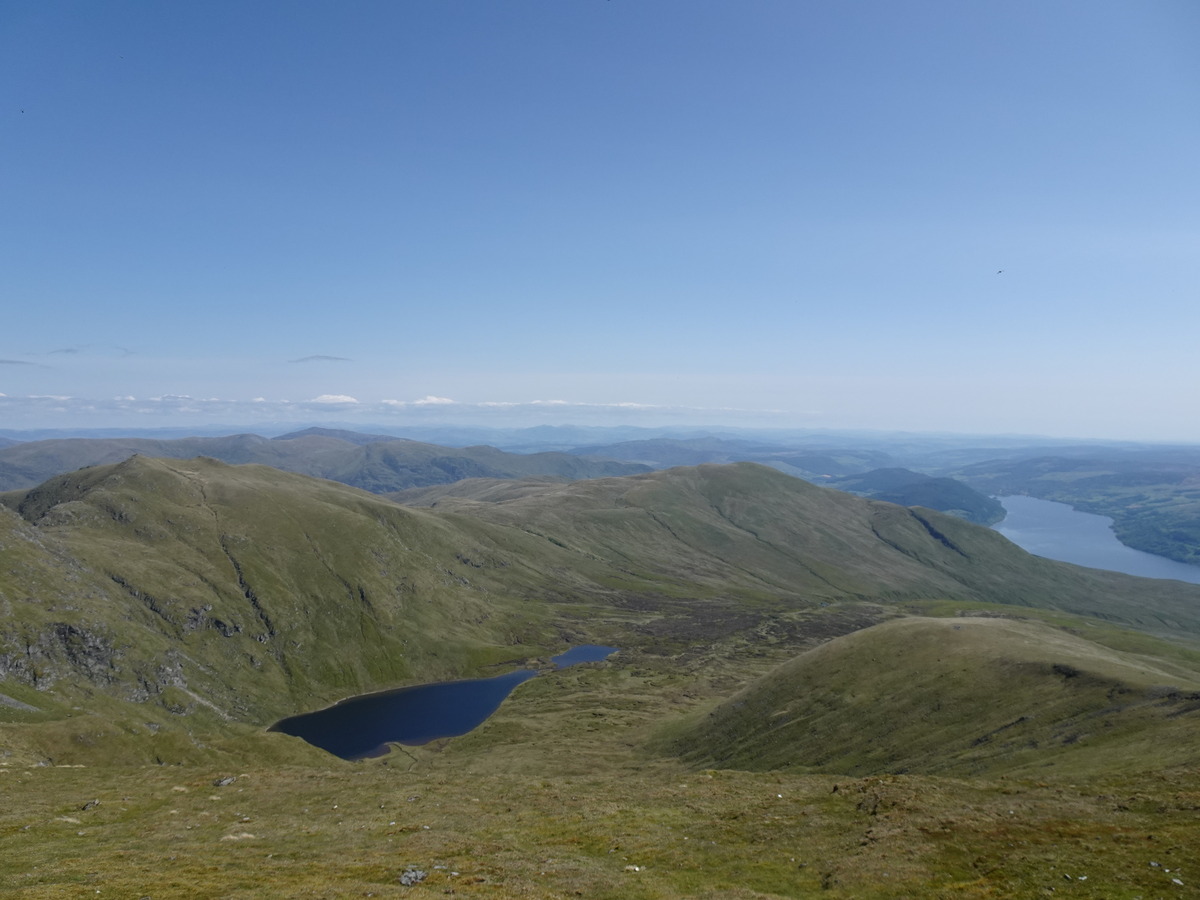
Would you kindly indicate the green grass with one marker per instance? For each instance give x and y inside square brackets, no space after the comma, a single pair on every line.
[159,615]
[352,830]
[956,696]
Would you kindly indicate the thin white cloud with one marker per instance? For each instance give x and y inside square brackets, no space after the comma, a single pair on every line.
[52,410]
[424,401]
[320,357]
[333,399]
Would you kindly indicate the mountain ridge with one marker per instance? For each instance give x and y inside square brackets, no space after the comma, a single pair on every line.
[243,568]
[375,462]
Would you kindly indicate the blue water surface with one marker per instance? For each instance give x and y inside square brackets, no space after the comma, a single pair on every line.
[364,726]
[1056,531]
[582,654]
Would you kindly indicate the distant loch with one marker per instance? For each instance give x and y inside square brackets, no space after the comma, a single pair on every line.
[1057,531]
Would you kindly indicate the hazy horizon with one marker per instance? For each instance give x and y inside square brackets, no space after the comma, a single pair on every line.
[505,430]
[920,217]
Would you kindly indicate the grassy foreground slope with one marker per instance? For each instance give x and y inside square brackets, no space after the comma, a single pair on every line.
[651,834]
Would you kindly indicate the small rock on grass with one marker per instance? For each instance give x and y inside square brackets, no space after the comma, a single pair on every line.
[412,876]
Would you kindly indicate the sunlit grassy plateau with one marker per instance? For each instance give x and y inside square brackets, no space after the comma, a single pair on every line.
[816,695]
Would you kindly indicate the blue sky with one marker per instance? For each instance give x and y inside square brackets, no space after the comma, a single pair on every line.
[975,217]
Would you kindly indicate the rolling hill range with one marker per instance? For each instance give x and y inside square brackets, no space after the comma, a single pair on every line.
[809,461]
[1149,492]
[255,592]
[777,638]
[374,463]
[783,537]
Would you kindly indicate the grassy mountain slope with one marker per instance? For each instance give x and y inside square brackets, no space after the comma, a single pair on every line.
[776,536]
[488,490]
[253,589]
[250,568]
[959,696]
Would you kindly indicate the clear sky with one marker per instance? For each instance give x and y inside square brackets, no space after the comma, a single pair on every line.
[956,216]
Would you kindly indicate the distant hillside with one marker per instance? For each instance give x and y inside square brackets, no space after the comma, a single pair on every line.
[372,462]
[961,696]
[353,437]
[667,452]
[914,489]
[662,453]
[781,536]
